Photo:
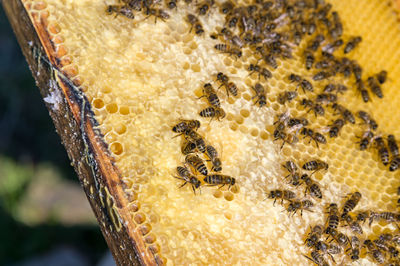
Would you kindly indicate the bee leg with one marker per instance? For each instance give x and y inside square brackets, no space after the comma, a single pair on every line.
[194,191]
[274,203]
[310,259]
[221,186]
[183,184]
[316,142]
[330,255]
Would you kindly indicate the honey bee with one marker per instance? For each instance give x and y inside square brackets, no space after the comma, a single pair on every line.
[374,86]
[362,216]
[211,95]
[188,147]
[158,13]
[381,76]
[351,203]
[294,179]
[186,125]
[355,248]
[366,140]
[286,96]
[357,71]
[262,71]
[339,237]
[355,227]
[317,258]
[226,7]
[332,47]
[317,108]
[215,161]
[270,60]
[339,88]
[286,137]
[309,59]
[303,83]
[218,179]
[316,136]
[291,167]
[351,44]
[346,114]
[296,124]
[294,78]
[333,218]
[326,98]
[323,64]
[315,165]
[377,255]
[311,187]
[195,23]
[382,150]
[282,195]
[296,205]
[322,75]
[197,163]
[367,119]
[336,127]
[363,91]
[389,217]
[260,95]
[123,10]
[224,48]
[213,112]
[394,164]
[392,143]
[316,42]
[185,175]
[200,145]
[314,236]
[230,87]
[205,6]
[337,30]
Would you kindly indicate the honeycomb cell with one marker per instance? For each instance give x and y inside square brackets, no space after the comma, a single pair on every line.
[112,108]
[139,218]
[124,110]
[98,103]
[228,196]
[116,148]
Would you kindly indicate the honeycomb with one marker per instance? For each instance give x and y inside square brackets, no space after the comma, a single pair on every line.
[139,87]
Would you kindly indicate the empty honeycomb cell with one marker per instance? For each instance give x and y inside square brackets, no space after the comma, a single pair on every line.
[254,132]
[217,193]
[233,126]
[228,196]
[229,116]
[144,228]
[264,135]
[98,103]
[116,148]
[54,28]
[120,129]
[134,207]
[139,218]
[187,51]
[150,238]
[154,248]
[112,108]
[186,66]
[243,129]
[228,61]
[193,45]
[124,110]
[239,119]
[245,113]
[110,137]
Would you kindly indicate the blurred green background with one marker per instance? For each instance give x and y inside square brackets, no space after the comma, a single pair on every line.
[44,214]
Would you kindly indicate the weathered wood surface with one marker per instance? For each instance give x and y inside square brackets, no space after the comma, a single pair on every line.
[75,123]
